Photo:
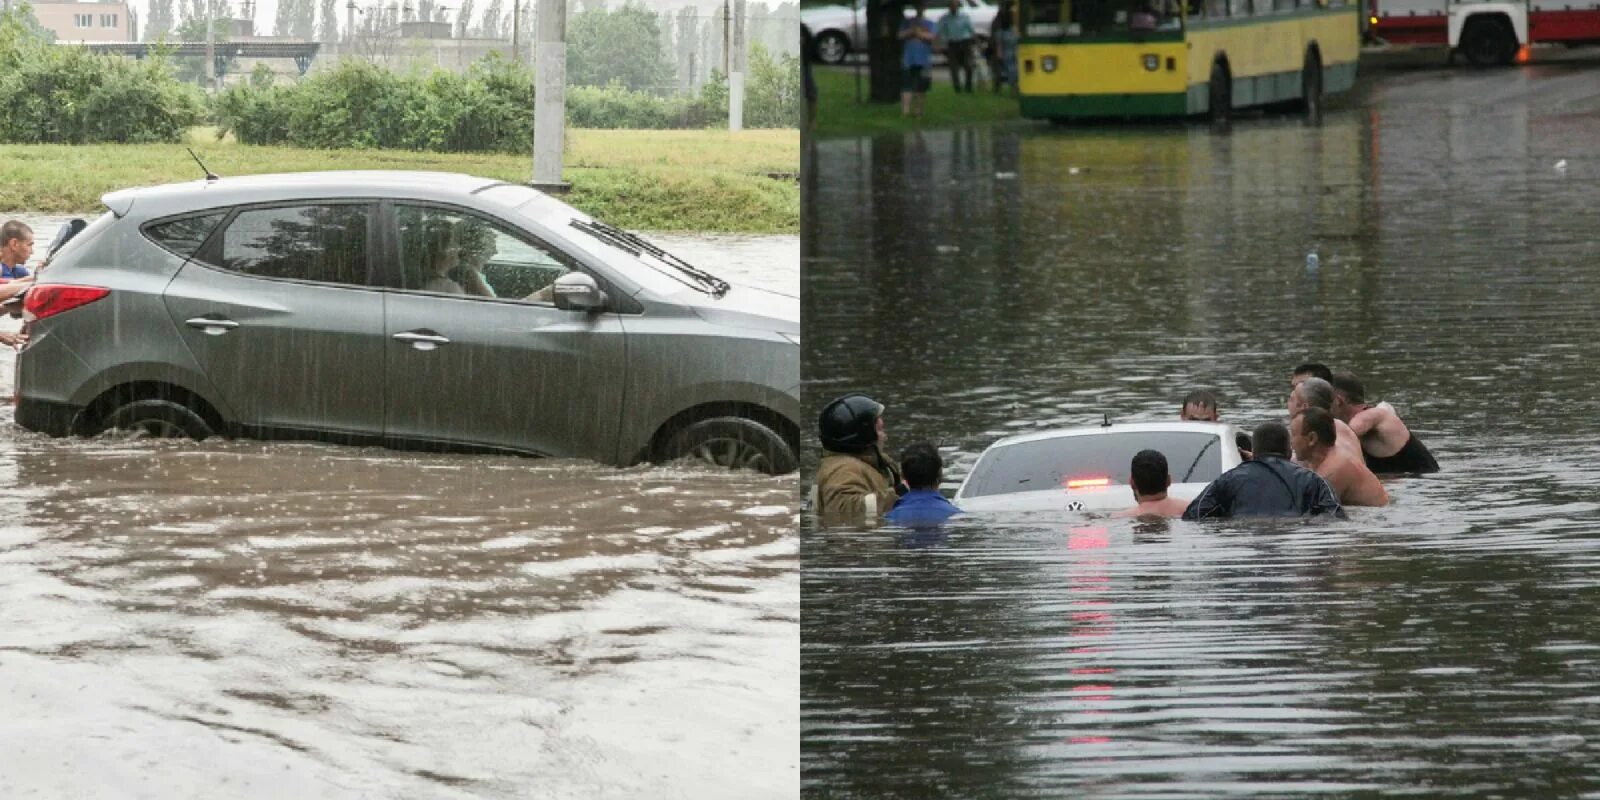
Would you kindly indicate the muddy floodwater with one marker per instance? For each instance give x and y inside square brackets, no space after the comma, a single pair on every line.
[265,620]
[1437,235]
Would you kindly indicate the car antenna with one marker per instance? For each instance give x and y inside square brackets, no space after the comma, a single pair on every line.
[210,176]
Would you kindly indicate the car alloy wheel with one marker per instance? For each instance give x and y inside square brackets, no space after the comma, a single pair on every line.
[157,418]
[733,443]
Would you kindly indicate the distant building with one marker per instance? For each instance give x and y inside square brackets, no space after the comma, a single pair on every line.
[86,22]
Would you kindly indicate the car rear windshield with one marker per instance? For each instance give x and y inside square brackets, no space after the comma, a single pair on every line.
[1192,457]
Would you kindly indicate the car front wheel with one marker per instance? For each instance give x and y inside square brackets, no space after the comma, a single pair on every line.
[733,443]
[164,419]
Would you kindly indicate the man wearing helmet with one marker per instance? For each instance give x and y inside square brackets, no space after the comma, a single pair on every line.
[855,482]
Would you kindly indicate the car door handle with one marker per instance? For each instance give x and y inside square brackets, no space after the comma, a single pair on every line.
[211,325]
[422,341]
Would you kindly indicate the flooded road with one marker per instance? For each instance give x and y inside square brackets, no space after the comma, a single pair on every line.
[983,283]
[250,619]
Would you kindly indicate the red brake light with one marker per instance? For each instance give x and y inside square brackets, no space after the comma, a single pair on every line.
[1088,483]
[49,299]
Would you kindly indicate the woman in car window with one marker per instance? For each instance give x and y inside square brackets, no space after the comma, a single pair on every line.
[443,255]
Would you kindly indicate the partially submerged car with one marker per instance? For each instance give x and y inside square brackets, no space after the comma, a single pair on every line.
[414,310]
[1087,468]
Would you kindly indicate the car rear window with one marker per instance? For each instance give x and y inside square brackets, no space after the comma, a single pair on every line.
[1192,457]
[322,243]
[184,236]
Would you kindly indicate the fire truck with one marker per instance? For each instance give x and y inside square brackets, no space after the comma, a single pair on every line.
[1486,32]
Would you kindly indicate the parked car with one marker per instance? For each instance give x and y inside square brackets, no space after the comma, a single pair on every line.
[842,29]
[1086,469]
[415,310]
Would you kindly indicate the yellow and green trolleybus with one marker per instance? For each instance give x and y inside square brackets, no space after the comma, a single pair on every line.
[1143,58]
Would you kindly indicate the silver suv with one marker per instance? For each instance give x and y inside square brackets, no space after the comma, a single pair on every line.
[414,310]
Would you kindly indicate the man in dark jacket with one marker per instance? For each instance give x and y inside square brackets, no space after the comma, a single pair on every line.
[1268,485]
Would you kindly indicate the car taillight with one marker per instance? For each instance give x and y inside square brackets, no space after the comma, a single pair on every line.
[1088,483]
[49,299]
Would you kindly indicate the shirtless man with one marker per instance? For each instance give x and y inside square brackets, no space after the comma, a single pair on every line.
[1150,479]
[1311,433]
[1199,406]
[1318,393]
[1388,446]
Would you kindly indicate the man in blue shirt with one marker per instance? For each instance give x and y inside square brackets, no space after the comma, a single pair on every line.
[955,31]
[916,59]
[16,247]
[923,506]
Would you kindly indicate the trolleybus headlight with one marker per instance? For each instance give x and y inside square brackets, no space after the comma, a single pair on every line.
[1048,63]
[1152,62]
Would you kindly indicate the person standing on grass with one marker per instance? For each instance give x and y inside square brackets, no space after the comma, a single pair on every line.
[1003,49]
[916,60]
[955,31]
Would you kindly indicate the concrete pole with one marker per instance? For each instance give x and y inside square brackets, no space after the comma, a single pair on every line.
[736,78]
[516,30]
[349,21]
[550,96]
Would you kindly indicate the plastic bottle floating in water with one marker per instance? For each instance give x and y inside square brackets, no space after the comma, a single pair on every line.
[1312,260]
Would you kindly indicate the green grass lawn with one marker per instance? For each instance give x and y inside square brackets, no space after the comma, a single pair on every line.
[706,180]
[838,112]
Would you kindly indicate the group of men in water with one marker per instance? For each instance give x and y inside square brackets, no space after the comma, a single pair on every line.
[1328,456]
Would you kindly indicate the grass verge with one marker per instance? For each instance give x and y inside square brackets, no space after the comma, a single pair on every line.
[838,112]
[654,180]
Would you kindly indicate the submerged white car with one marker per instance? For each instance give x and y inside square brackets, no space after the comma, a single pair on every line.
[1086,469]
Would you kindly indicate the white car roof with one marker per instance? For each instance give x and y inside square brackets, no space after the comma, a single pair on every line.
[1174,426]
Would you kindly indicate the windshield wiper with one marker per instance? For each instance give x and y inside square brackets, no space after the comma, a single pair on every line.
[1196,461]
[634,244]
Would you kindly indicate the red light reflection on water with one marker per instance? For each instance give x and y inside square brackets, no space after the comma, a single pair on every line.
[1086,579]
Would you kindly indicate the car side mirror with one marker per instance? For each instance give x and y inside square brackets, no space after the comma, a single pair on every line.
[577,291]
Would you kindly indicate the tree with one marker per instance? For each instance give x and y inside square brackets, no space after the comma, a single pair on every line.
[330,21]
[162,17]
[19,23]
[492,17]
[463,19]
[622,46]
[193,29]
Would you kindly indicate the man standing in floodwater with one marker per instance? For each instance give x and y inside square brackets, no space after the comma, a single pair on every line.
[1268,485]
[1312,434]
[1150,477]
[922,506]
[856,482]
[1310,369]
[1387,445]
[1199,406]
[16,247]
[1318,393]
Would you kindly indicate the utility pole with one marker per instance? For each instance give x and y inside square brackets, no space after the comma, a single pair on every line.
[349,21]
[726,26]
[516,28]
[550,96]
[736,77]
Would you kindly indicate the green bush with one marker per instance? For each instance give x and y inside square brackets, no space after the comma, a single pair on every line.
[358,105]
[67,95]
